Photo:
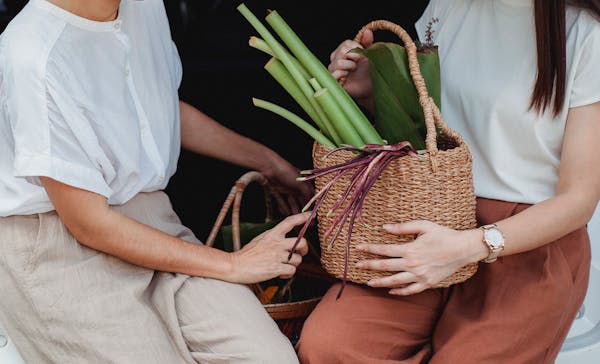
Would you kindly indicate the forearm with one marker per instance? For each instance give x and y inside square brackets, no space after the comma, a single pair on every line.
[142,245]
[203,135]
[546,221]
[89,219]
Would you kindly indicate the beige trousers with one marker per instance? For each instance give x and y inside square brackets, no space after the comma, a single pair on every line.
[64,303]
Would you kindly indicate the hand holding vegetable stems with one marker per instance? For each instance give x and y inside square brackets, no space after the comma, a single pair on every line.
[354,68]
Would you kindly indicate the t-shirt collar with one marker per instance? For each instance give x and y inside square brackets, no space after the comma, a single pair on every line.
[78,21]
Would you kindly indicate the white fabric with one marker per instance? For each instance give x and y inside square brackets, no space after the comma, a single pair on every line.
[488,67]
[91,104]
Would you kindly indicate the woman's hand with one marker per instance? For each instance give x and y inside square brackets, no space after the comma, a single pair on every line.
[266,256]
[355,68]
[282,176]
[435,254]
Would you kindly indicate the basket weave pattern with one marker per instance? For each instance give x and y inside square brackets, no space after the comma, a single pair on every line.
[436,185]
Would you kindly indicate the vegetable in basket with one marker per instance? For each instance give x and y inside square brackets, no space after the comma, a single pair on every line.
[339,122]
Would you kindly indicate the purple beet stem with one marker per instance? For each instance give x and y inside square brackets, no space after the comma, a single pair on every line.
[369,165]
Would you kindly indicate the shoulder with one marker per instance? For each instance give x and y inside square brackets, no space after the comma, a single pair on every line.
[147,11]
[441,12]
[29,39]
[582,25]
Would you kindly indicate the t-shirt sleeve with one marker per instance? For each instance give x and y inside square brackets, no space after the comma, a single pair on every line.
[51,135]
[177,66]
[436,9]
[586,81]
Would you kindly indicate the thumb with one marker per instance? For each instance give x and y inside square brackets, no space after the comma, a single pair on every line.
[416,227]
[367,38]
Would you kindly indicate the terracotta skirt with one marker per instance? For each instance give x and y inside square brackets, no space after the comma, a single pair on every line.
[517,310]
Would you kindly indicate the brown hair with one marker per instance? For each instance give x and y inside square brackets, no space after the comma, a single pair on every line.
[550,29]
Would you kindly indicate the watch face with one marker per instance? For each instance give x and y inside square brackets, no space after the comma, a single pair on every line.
[494,237]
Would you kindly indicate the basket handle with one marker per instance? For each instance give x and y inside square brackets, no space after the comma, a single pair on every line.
[431,112]
[235,198]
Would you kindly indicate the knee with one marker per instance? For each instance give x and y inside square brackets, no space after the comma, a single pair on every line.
[324,340]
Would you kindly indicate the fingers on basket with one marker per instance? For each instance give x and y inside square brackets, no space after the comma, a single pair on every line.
[287,270]
[388,250]
[385,265]
[301,248]
[412,227]
[398,280]
[290,222]
[408,290]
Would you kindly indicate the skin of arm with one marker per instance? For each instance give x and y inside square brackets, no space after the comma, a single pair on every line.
[438,252]
[203,135]
[94,224]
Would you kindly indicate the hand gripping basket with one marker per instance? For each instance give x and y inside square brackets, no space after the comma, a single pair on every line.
[436,185]
[289,316]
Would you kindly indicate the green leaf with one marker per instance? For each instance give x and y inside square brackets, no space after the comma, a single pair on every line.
[398,113]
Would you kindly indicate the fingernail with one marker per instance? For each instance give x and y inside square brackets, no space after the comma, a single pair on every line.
[371,283]
[360,247]
[387,226]
[360,265]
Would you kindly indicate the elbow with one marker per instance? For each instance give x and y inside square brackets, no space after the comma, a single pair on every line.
[89,230]
[582,203]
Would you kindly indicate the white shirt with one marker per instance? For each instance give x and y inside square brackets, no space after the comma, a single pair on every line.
[488,68]
[90,104]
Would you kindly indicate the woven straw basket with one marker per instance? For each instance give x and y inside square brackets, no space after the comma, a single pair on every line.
[436,185]
[289,316]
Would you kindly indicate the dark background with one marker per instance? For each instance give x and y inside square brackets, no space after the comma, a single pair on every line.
[222,73]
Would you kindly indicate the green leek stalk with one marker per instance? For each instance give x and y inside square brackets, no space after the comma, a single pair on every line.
[262,46]
[312,64]
[285,58]
[278,71]
[333,110]
[295,119]
[315,84]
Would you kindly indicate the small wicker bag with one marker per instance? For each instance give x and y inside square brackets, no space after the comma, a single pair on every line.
[289,316]
[436,185]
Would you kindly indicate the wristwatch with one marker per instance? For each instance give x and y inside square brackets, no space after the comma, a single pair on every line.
[494,240]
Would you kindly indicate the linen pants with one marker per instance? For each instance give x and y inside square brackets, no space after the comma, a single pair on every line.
[63,303]
[517,310]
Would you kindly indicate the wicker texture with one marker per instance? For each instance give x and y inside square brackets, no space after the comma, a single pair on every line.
[289,316]
[437,186]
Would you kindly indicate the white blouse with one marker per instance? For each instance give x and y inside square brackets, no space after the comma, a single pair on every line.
[90,104]
[488,67]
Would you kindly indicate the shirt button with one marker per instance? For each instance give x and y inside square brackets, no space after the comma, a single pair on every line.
[126,71]
[117,25]
[3,341]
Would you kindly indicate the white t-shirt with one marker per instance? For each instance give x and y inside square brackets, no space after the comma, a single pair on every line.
[488,69]
[91,104]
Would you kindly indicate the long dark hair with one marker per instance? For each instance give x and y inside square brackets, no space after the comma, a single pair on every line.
[550,29]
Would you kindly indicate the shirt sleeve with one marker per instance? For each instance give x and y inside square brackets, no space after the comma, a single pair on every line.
[178,67]
[52,137]
[586,81]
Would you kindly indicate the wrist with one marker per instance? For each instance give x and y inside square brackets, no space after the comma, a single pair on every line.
[474,246]
[270,164]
